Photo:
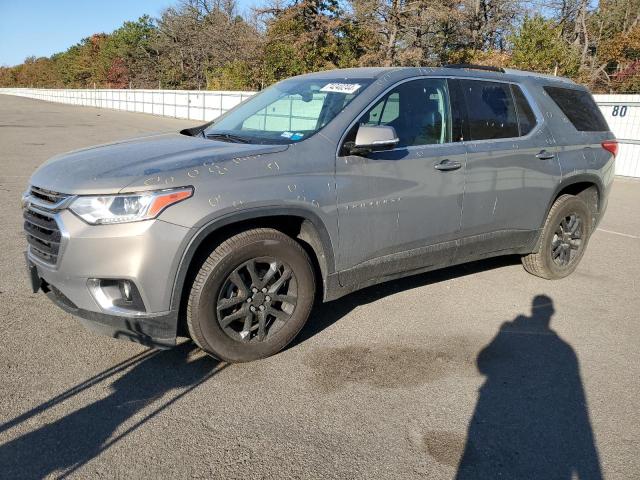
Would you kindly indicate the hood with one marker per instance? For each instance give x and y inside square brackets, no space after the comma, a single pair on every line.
[112,167]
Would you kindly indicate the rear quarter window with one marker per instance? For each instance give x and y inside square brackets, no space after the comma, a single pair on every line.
[579,107]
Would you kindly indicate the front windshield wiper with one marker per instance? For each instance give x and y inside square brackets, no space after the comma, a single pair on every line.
[228,137]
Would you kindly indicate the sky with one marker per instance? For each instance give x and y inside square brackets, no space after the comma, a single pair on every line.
[44,27]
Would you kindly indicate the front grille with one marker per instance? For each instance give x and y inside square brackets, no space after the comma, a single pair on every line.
[43,235]
[47,197]
[40,226]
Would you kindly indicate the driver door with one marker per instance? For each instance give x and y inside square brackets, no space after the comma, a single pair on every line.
[400,210]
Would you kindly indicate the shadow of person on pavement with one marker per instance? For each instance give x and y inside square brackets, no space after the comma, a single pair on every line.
[66,444]
[531,418]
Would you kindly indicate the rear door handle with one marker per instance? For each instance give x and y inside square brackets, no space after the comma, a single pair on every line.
[446,165]
[544,155]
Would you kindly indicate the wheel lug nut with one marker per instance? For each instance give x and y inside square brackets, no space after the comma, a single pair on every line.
[249,299]
[254,290]
[267,298]
[252,308]
[261,307]
[264,290]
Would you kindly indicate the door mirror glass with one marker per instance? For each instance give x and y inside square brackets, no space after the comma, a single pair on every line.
[374,139]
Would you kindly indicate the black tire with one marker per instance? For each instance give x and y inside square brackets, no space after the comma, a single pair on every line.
[559,252]
[229,276]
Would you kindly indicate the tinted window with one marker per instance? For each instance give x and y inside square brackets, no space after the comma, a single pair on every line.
[579,108]
[384,112]
[526,117]
[418,110]
[490,109]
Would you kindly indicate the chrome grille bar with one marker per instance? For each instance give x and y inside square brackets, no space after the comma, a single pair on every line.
[40,225]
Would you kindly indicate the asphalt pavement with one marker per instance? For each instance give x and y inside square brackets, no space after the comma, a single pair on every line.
[447,374]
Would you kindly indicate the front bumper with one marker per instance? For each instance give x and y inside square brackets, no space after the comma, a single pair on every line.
[146,253]
[155,330]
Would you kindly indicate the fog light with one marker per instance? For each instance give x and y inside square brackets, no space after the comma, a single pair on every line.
[117,296]
[125,290]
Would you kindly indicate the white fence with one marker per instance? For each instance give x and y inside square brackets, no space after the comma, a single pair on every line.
[189,104]
[621,111]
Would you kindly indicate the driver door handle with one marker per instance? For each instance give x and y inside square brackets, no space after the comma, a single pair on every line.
[544,155]
[447,165]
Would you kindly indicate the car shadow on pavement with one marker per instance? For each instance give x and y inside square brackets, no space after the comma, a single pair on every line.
[530,421]
[64,445]
[531,418]
[326,314]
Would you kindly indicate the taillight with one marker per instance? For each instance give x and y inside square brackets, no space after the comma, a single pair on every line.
[610,146]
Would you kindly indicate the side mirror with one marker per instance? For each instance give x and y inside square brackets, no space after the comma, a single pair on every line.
[374,139]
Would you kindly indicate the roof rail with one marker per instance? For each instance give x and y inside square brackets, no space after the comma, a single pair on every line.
[475,67]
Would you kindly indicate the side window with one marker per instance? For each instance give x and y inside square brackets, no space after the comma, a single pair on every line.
[384,112]
[491,110]
[526,117]
[418,110]
[579,107]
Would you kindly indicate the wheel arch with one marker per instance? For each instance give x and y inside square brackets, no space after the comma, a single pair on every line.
[584,185]
[588,187]
[299,223]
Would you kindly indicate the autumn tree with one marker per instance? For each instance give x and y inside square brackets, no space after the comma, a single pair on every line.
[200,36]
[34,72]
[622,53]
[198,44]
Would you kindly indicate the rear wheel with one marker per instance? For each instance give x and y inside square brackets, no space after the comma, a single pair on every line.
[251,296]
[563,240]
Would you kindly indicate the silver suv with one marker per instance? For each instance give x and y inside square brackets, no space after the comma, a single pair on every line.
[318,186]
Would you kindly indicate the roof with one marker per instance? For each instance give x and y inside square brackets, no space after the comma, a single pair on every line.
[402,72]
[361,72]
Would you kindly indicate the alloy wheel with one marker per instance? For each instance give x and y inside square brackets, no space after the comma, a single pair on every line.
[256,299]
[567,240]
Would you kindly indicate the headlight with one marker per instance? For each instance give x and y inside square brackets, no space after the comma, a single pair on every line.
[107,209]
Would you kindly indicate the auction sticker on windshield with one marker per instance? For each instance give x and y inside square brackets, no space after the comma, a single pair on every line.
[341,88]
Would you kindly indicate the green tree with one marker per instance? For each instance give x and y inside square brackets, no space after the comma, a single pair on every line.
[129,55]
[538,46]
[236,75]
[308,36]
[79,66]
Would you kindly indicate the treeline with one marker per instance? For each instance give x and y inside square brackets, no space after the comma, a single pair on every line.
[206,44]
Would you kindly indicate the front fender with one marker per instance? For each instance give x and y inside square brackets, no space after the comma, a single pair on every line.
[314,230]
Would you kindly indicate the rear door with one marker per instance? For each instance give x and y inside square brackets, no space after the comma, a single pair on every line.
[512,168]
[400,210]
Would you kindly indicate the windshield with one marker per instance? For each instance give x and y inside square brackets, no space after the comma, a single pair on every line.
[287,112]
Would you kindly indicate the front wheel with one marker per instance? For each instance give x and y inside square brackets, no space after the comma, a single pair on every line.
[251,297]
[563,240]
